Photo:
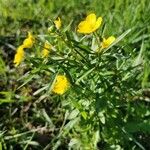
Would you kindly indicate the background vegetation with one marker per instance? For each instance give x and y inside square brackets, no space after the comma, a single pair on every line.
[117,117]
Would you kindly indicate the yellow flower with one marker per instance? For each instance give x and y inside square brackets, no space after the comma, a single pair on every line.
[108,41]
[29,41]
[46,49]
[90,24]
[57,23]
[61,84]
[19,56]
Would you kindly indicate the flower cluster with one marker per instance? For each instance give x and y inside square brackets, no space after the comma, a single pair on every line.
[91,24]
[88,26]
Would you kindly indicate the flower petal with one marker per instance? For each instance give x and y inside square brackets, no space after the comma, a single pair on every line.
[19,56]
[61,84]
[98,23]
[91,19]
[84,27]
[58,23]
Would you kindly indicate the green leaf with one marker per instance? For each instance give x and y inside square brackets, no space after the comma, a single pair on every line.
[47,118]
[138,126]
[1,146]
[27,80]
[82,47]
[71,124]
[101,103]
[84,114]
[73,114]
[84,75]
[141,38]
[7,97]
[40,90]
[138,60]
[52,81]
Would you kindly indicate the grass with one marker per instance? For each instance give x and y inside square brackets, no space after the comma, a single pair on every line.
[107,104]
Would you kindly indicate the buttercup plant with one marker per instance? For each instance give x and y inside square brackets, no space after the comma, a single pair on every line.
[92,87]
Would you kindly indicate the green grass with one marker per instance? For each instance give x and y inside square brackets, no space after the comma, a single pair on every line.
[107,105]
